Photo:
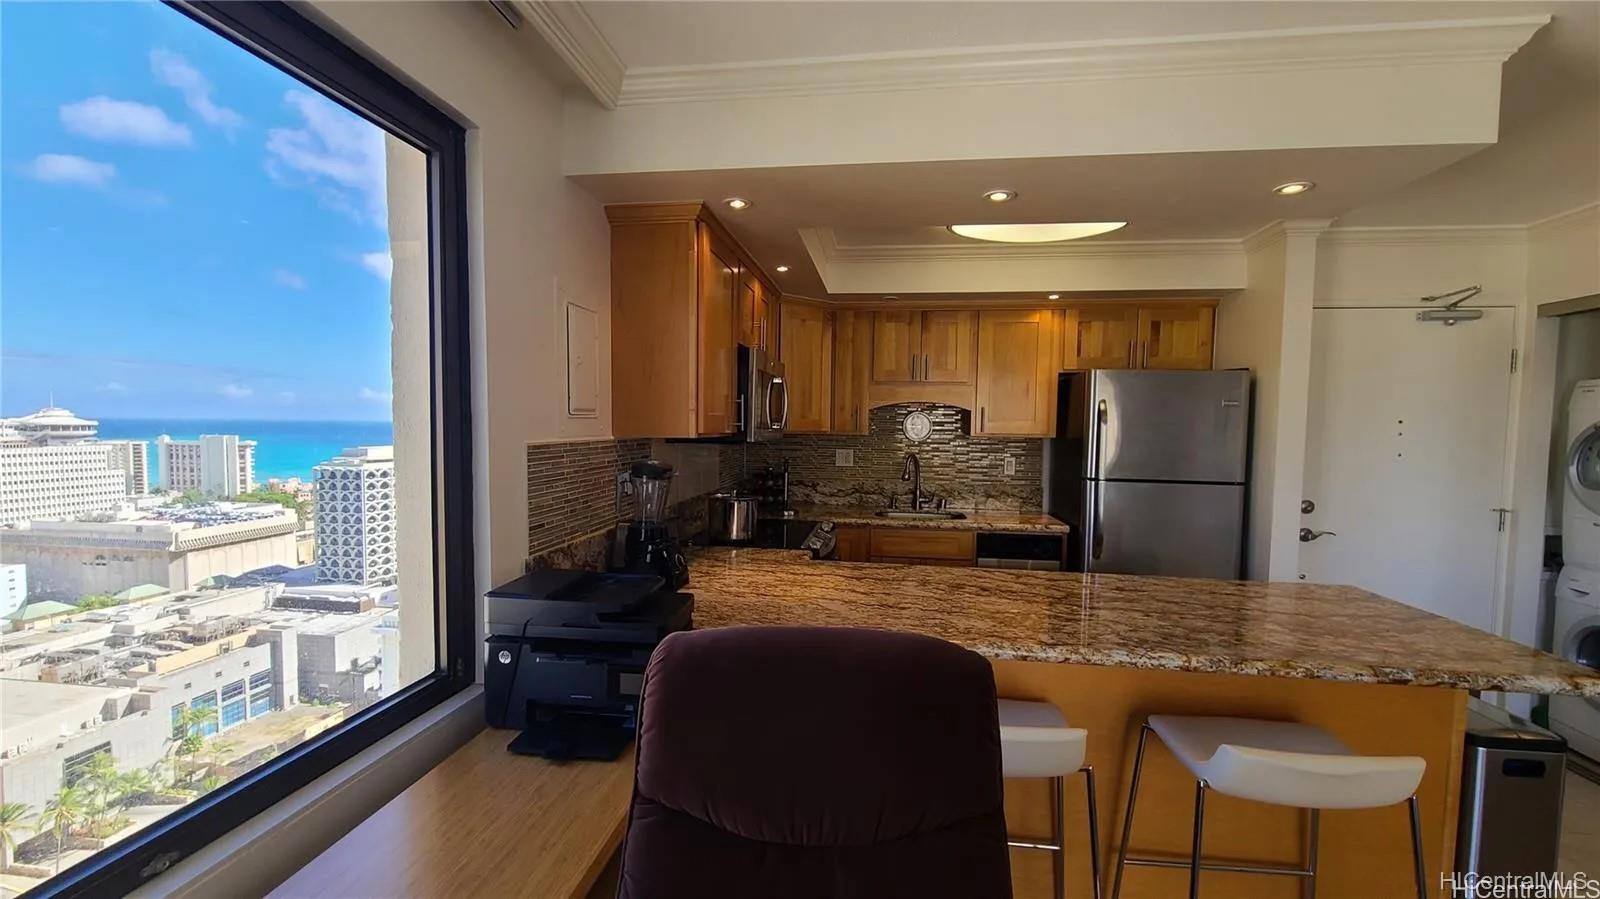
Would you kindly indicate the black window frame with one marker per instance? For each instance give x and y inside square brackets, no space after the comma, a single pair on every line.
[279,35]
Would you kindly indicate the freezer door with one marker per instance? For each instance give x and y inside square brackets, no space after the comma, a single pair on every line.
[1178,530]
[1170,425]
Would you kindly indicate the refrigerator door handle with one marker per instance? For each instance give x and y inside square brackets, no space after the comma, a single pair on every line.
[1101,416]
[1097,537]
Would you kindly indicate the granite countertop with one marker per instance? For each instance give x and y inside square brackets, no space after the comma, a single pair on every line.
[1015,522]
[1273,629]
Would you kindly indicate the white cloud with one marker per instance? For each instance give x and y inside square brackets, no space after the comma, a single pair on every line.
[58,168]
[379,263]
[114,387]
[335,153]
[103,118]
[291,280]
[367,394]
[236,391]
[286,396]
[174,71]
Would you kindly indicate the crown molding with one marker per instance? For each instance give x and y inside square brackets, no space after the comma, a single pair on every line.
[1486,40]
[1580,216]
[1409,235]
[577,40]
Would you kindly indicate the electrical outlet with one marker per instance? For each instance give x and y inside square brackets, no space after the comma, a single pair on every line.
[844,458]
[1011,465]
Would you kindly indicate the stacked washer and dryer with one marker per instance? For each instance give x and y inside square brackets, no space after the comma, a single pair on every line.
[1577,593]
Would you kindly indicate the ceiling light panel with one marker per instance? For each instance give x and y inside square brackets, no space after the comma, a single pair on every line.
[1051,232]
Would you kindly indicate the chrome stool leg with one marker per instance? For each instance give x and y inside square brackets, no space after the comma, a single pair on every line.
[1094,829]
[1311,854]
[1416,846]
[1127,815]
[1058,838]
[1199,834]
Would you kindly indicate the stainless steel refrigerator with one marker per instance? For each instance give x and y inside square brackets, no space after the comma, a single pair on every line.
[1148,468]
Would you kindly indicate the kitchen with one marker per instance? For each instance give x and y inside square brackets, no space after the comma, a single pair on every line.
[653,261]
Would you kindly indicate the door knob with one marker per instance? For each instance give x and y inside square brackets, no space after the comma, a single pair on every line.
[1307,535]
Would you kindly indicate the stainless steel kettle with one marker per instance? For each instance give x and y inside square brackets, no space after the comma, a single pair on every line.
[733,517]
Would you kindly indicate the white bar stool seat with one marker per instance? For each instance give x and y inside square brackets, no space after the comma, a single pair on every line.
[1035,741]
[1286,763]
[1277,762]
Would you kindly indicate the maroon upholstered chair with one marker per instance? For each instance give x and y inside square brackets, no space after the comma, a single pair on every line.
[816,763]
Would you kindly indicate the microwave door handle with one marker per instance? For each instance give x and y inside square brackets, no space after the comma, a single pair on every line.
[783,420]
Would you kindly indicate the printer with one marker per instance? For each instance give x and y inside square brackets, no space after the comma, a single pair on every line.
[567,653]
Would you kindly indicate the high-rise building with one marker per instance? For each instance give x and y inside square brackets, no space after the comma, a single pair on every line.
[219,465]
[52,466]
[355,517]
[13,588]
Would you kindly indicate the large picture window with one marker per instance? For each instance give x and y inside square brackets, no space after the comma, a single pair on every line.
[234,434]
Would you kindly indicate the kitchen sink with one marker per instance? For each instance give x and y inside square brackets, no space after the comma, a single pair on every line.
[925,516]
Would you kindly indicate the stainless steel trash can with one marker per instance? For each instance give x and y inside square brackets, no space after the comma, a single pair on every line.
[1512,773]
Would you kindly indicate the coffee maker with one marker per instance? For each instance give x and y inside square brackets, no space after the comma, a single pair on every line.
[647,545]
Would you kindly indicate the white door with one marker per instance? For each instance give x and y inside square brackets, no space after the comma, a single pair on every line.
[1405,457]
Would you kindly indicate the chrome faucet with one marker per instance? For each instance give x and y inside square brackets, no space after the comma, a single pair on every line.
[912,471]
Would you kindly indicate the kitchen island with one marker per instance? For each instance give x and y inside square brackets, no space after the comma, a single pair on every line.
[1110,649]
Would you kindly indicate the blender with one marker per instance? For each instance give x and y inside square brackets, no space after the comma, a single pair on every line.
[648,546]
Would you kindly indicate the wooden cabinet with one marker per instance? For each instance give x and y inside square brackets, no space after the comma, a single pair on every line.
[1099,336]
[755,310]
[933,346]
[1016,373]
[922,547]
[1138,335]
[1176,335]
[682,290]
[896,346]
[852,369]
[807,347]
[852,544]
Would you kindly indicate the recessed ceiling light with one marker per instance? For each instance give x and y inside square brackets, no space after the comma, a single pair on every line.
[781,269]
[737,203]
[999,196]
[1052,232]
[1292,188]
[1054,296]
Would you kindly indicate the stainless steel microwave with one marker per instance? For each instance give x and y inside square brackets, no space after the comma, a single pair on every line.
[763,396]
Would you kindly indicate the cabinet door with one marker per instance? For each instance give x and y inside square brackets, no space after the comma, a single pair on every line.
[719,337]
[1100,337]
[749,301]
[947,347]
[1016,373]
[1176,336]
[852,367]
[763,323]
[896,349]
[852,544]
[807,356]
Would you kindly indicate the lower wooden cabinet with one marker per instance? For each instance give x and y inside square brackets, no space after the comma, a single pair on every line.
[904,546]
[852,544]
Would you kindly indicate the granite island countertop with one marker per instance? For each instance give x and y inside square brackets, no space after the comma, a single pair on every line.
[1240,627]
[1013,522]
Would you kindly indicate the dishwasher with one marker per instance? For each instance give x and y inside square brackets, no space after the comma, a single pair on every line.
[1022,552]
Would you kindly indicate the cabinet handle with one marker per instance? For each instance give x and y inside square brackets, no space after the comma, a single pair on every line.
[913,366]
[982,417]
[924,366]
[1131,345]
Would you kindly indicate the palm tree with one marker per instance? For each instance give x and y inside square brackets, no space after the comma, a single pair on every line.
[100,782]
[60,813]
[13,818]
[211,782]
[131,783]
[190,722]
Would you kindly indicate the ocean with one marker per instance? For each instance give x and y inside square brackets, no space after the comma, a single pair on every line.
[284,449]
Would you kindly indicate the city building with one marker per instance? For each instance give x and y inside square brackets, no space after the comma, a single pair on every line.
[13,588]
[175,547]
[355,517]
[53,466]
[219,465]
[118,680]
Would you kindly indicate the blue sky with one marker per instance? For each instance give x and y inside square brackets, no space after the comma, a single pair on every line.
[185,231]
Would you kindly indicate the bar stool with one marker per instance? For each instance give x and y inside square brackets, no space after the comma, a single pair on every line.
[1278,762]
[1035,741]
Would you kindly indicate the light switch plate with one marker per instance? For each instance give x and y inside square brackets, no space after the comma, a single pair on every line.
[844,458]
[1011,465]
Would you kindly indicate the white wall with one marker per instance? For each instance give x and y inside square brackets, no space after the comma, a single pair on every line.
[530,230]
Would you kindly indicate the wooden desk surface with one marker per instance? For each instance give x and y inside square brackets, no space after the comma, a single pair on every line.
[483,823]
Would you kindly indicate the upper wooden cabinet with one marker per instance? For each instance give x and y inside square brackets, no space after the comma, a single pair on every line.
[852,370]
[806,350]
[682,290]
[1176,335]
[934,346]
[1138,335]
[756,301]
[1016,373]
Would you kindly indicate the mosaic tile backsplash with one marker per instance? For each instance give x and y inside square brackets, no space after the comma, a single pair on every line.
[969,472]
